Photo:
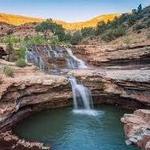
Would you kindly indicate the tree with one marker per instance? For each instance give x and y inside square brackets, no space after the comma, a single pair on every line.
[101,27]
[139,8]
[87,32]
[49,25]
[76,38]
[11,51]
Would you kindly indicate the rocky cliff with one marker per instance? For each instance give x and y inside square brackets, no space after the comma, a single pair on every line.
[114,55]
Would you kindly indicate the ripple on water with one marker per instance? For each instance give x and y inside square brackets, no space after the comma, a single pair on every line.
[88,112]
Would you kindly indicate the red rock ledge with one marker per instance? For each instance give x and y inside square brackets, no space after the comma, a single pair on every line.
[137,128]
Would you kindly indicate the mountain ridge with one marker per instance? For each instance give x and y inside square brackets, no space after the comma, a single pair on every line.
[19,20]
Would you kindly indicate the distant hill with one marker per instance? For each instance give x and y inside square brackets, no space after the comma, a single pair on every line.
[19,20]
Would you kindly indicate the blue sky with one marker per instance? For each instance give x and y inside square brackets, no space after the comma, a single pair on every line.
[68,10]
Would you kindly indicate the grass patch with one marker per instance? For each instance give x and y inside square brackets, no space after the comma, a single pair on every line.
[21,63]
[8,71]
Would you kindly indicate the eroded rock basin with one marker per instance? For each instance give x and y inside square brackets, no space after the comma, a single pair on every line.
[65,130]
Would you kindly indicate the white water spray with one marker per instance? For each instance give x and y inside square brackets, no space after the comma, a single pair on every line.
[81,95]
[74,62]
[35,58]
[82,98]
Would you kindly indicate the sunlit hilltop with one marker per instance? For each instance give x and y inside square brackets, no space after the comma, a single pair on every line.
[18,20]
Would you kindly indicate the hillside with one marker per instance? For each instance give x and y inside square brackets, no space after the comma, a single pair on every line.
[19,20]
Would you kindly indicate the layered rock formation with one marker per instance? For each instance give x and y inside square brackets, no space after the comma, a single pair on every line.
[110,55]
[137,128]
[130,89]
[48,57]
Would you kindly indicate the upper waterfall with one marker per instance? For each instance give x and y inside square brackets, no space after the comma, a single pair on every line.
[74,62]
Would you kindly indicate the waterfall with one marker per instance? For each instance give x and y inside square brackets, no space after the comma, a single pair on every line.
[82,98]
[35,58]
[81,95]
[74,62]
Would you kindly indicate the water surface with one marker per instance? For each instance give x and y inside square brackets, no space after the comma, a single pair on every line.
[65,130]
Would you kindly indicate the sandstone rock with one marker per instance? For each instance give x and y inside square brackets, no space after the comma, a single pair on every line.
[110,55]
[10,141]
[137,128]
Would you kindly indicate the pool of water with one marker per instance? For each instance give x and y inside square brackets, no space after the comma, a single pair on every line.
[65,130]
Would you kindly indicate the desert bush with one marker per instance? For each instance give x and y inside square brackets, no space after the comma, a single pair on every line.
[21,52]
[101,27]
[127,40]
[148,24]
[55,28]
[12,39]
[138,27]
[8,71]
[36,40]
[76,38]
[21,63]
[11,51]
[88,32]
[113,34]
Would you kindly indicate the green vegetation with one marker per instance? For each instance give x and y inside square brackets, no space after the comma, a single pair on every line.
[119,26]
[127,41]
[21,63]
[50,26]
[8,71]
[88,32]
[76,38]
[49,32]
[36,40]
[112,34]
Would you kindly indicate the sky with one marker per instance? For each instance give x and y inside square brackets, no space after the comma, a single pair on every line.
[68,10]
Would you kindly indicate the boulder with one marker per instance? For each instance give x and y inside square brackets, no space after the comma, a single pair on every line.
[137,128]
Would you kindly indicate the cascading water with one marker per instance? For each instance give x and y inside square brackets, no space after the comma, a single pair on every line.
[81,95]
[35,58]
[74,62]
[82,98]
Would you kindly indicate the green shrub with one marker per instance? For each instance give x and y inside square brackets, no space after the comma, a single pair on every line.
[21,63]
[55,28]
[138,27]
[113,34]
[88,32]
[76,38]
[8,71]
[127,40]
[36,40]
[101,27]
[148,24]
